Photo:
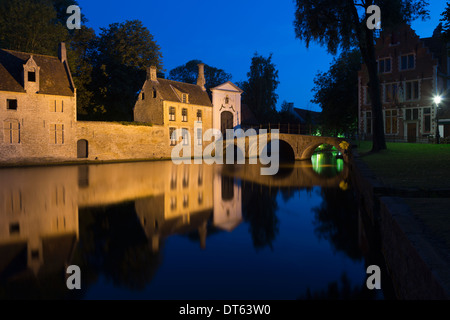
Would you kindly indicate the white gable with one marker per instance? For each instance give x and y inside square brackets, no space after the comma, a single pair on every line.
[227,86]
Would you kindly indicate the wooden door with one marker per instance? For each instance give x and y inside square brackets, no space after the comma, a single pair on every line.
[412,132]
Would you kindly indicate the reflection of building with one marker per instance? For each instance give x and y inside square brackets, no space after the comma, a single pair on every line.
[227,203]
[184,204]
[39,216]
[412,71]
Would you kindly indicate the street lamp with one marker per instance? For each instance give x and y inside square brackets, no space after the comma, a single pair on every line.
[437,100]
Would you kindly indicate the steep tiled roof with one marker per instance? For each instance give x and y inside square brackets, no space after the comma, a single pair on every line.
[54,79]
[166,89]
[307,116]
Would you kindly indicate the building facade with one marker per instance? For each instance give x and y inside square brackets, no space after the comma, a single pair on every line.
[37,106]
[412,71]
[175,105]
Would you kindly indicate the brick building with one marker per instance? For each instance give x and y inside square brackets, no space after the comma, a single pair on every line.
[412,71]
[37,106]
[174,105]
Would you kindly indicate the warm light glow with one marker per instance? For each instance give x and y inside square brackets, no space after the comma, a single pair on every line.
[437,99]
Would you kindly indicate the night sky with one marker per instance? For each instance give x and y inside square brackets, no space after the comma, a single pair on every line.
[226,34]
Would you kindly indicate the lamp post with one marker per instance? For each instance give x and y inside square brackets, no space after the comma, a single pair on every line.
[437,100]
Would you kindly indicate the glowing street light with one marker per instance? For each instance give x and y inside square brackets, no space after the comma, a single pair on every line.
[437,100]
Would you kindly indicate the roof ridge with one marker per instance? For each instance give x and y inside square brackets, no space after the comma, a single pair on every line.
[191,84]
[31,54]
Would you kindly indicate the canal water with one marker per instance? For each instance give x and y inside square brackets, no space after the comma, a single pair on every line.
[155,230]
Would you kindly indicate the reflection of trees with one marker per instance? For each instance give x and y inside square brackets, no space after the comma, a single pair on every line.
[342,292]
[336,220]
[259,210]
[112,243]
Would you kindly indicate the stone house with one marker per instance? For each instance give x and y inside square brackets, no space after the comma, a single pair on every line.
[175,105]
[412,71]
[37,106]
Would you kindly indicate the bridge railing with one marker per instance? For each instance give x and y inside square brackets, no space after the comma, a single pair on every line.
[288,128]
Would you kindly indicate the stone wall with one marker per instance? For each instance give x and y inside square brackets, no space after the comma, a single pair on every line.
[114,141]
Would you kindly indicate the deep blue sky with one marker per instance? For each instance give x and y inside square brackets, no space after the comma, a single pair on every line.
[226,34]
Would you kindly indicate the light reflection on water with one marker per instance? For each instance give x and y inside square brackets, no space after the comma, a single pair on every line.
[154,230]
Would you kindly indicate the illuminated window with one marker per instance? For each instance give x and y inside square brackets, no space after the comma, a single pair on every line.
[391,121]
[184,115]
[172,114]
[11,131]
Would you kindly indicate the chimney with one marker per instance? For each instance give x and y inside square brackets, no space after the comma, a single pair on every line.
[62,53]
[201,76]
[151,73]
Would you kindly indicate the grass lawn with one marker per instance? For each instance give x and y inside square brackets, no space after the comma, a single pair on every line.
[409,165]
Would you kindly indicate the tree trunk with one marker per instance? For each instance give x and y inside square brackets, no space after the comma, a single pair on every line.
[378,140]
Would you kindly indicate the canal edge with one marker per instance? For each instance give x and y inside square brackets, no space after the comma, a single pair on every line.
[417,268]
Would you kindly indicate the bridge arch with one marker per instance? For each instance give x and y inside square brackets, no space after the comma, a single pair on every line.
[311,147]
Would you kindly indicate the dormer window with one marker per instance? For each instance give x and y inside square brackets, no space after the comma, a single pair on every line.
[32,76]
[184,98]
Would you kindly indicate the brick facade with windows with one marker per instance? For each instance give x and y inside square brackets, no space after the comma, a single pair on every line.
[412,71]
[37,106]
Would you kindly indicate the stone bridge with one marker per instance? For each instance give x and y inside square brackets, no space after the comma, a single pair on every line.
[292,146]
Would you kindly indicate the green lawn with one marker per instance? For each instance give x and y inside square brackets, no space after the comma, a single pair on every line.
[407,165]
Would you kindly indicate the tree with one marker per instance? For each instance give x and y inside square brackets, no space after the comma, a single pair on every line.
[336,91]
[188,73]
[31,26]
[259,90]
[446,22]
[123,53]
[81,51]
[342,24]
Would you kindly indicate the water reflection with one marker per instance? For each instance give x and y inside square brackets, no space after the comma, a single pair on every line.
[114,220]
